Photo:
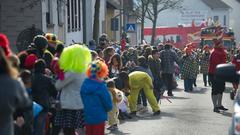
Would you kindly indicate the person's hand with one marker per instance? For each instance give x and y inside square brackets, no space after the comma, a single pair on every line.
[20,121]
[48,72]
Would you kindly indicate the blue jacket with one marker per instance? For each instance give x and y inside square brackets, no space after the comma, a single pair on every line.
[96,101]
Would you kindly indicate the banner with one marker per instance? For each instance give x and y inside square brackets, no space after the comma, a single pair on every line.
[187,16]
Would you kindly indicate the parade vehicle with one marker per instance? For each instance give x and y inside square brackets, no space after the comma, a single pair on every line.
[183,34]
[198,36]
[208,34]
[227,73]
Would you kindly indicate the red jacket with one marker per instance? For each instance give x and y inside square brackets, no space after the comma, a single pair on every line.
[218,56]
[236,61]
[123,44]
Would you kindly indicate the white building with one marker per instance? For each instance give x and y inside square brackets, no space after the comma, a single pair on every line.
[197,10]
[234,17]
[77,16]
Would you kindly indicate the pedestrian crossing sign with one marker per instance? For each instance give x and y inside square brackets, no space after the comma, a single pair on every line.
[131,27]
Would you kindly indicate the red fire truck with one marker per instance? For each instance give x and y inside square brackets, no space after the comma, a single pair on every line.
[184,35]
[208,34]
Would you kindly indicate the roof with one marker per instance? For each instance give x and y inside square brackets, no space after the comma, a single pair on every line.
[216,4]
[113,4]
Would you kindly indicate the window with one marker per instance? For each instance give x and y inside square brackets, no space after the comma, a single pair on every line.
[49,12]
[224,20]
[178,38]
[215,19]
[74,15]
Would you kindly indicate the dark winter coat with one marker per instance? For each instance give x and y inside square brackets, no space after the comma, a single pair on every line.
[189,64]
[204,63]
[42,89]
[168,57]
[12,96]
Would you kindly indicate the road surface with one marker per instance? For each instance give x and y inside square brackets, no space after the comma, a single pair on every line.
[188,114]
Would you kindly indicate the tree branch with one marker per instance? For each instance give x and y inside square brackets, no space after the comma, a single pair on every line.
[149,15]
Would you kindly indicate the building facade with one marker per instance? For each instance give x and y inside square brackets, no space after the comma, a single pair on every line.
[71,20]
[64,18]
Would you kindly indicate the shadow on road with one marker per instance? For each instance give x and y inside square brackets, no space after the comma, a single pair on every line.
[117,132]
[228,89]
[175,97]
[177,90]
[227,114]
[199,90]
[148,116]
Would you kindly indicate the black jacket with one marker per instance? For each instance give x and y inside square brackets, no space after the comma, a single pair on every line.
[155,67]
[42,89]
[12,97]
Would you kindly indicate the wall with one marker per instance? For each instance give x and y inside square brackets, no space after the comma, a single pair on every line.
[173,17]
[13,20]
[90,4]
[55,27]
[111,34]
[234,17]
[103,10]
[221,14]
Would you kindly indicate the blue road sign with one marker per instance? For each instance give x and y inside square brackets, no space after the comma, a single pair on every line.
[131,27]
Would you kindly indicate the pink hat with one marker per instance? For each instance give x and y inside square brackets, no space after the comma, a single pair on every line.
[4,43]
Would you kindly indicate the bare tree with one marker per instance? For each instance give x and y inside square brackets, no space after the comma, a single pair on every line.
[141,8]
[156,7]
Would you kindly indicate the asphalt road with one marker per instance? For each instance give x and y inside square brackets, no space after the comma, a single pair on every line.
[188,114]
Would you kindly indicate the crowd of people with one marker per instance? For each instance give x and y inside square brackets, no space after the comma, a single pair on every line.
[50,88]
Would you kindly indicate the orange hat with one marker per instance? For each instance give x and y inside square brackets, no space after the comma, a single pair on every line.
[52,38]
[97,69]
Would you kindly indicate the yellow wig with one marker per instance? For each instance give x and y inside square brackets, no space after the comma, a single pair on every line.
[75,58]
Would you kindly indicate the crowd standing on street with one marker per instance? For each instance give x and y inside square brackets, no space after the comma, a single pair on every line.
[49,88]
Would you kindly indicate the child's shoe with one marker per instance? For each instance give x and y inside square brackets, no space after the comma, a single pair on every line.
[113,127]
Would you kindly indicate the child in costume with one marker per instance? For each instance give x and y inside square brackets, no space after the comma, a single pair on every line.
[74,61]
[117,97]
[96,98]
[138,80]
[124,109]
